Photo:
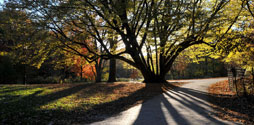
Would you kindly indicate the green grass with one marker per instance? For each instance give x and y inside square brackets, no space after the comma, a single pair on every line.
[71,103]
[60,104]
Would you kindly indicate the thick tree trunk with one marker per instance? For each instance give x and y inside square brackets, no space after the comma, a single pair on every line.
[112,71]
[151,78]
[154,79]
[112,63]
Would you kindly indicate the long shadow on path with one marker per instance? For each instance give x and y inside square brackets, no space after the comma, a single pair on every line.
[179,106]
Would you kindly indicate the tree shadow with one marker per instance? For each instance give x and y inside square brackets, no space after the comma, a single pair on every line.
[25,110]
[154,113]
[177,106]
[106,110]
[180,101]
[164,108]
[75,116]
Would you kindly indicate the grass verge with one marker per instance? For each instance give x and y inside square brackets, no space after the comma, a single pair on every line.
[71,103]
[228,106]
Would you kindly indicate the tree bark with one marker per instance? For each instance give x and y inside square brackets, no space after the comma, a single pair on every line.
[112,70]
[98,67]
[81,72]
[24,75]
[252,72]
[112,63]
[206,66]
[154,79]
[98,77]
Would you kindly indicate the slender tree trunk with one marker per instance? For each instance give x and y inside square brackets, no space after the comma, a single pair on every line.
[252,72]
[172,74]
[206,66]
[236,86]
[81,74]
[112,70]
[24,75]
[98,67]
[244,87]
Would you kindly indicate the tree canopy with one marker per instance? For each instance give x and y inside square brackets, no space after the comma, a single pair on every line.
[150,34]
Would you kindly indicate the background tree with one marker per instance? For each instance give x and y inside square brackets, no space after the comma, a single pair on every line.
[112,64]
[197,62]
[20,36]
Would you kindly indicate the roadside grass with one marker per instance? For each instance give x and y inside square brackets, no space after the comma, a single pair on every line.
[71,103]
[228,106]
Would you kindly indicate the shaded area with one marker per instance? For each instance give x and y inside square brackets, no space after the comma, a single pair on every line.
[26,109]
[190,100]
[18,109]
[106,110]
[167,111]
[149,112]
[15,109]
[229,106]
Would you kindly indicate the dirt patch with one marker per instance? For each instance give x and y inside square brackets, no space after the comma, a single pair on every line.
[228,106]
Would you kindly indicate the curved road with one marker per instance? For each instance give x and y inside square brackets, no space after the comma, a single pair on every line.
[183,106]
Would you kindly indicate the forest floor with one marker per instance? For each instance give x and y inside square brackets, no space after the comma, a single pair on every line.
[71,103]
[228,106]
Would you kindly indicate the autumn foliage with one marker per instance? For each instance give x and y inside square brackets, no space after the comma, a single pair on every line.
[82,68]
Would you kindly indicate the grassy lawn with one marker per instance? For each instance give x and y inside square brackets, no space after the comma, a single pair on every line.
[230,107]
[69,103]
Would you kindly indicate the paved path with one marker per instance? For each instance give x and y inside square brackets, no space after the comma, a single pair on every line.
[182,106]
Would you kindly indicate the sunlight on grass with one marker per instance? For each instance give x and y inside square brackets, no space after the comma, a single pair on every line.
[69,103]
[81,100]
[38,103]
[14,93]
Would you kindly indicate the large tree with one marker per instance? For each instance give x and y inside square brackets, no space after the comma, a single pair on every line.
[152,33]
[22,39]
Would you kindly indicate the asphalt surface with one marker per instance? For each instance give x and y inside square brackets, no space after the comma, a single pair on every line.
[186,105]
